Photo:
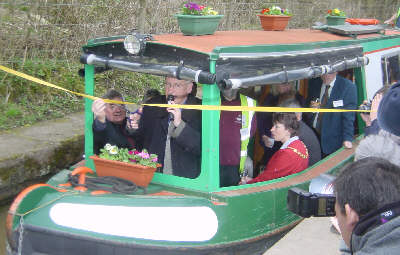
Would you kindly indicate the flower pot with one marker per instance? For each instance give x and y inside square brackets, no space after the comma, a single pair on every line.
[274,22]
[335,20]
[197,24]
[140,175]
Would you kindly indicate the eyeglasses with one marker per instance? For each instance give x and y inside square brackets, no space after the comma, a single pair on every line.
[116,106]
[175,85]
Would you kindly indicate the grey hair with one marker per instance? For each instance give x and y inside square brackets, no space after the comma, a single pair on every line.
[274,89]
[291,103]
[382,146]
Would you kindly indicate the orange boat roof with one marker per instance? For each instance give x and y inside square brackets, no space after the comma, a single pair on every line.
[206,43]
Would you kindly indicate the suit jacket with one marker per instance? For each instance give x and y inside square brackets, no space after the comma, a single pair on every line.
[339,126]
[114,134]
[310,140]
[185,149]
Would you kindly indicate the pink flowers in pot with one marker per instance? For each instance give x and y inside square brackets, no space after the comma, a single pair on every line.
[191,8]
[134,156]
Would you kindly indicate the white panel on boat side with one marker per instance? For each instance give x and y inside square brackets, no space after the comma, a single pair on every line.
[187,224]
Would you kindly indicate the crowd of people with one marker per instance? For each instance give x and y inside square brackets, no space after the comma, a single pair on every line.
[367,190]
[290,144]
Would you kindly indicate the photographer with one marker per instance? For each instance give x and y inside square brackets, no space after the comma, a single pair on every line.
[109,125]
[370,119]
[368,205]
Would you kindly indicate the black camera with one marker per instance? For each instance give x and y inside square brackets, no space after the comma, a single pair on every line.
[307,204]
[366,106]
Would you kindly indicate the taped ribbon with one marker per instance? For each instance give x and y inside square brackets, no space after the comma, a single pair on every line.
[192,107]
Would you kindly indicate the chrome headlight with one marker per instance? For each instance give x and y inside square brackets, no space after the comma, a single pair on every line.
[132,44]
[135,43]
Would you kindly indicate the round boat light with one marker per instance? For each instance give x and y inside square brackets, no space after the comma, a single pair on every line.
[132,44]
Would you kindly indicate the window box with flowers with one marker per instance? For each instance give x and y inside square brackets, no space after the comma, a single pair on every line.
[335,17]
[132,165]
[198,19]
[274,18]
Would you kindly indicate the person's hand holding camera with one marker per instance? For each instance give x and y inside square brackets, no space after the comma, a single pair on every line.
[98,109]
[134,119]
[365,116]
[374,106]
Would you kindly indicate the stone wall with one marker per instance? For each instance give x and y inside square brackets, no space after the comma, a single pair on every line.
[33,154]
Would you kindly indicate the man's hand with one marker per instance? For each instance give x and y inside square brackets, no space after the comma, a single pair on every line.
[177,115]
[315,104]
[347,144]
[133,122]
[365,116]
[98,109]
[374,106]
[134,119]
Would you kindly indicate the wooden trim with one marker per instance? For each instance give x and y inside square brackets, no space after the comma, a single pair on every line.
[322,167]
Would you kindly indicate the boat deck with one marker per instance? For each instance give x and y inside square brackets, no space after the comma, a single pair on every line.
[207,43]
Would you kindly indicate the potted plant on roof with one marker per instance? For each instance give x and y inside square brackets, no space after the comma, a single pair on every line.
[335,17]
[274,18]
[198,19]
[132,165]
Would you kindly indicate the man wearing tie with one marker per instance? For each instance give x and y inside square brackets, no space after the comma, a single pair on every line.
[333,92]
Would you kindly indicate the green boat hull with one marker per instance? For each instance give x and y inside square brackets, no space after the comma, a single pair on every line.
[247,221]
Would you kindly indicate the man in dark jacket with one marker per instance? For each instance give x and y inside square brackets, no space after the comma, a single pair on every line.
[368,206]
[109,125]
[173,134]
[333,92]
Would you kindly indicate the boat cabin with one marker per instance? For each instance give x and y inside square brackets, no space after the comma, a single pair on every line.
[252,61]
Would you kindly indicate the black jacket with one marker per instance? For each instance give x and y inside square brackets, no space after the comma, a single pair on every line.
[310,140]
[185,149]
[111,133]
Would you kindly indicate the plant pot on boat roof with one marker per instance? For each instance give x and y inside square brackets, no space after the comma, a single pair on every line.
[198,19]
[132,165]
[335,17]
[274,18]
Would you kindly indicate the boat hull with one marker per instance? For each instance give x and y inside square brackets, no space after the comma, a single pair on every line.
[172,220]
[44,241]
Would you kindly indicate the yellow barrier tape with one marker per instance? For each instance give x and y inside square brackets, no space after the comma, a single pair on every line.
[193,107]
[252,108]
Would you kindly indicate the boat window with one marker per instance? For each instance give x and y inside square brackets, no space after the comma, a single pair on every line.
[390,69]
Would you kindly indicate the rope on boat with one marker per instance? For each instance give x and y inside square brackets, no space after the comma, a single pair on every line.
[44,204]
[108,183]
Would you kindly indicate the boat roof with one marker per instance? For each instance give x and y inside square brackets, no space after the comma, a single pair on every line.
[207,43]
[273,57]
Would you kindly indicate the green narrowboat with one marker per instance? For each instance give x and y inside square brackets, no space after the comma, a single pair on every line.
[179,215]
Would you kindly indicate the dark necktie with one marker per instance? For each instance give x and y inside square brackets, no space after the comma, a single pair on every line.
[325,97]
[323,104]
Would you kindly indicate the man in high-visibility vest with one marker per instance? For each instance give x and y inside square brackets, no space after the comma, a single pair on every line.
[237,131]
[394,19]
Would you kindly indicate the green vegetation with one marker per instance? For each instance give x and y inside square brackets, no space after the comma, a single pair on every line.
[23,102]
[44,38]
